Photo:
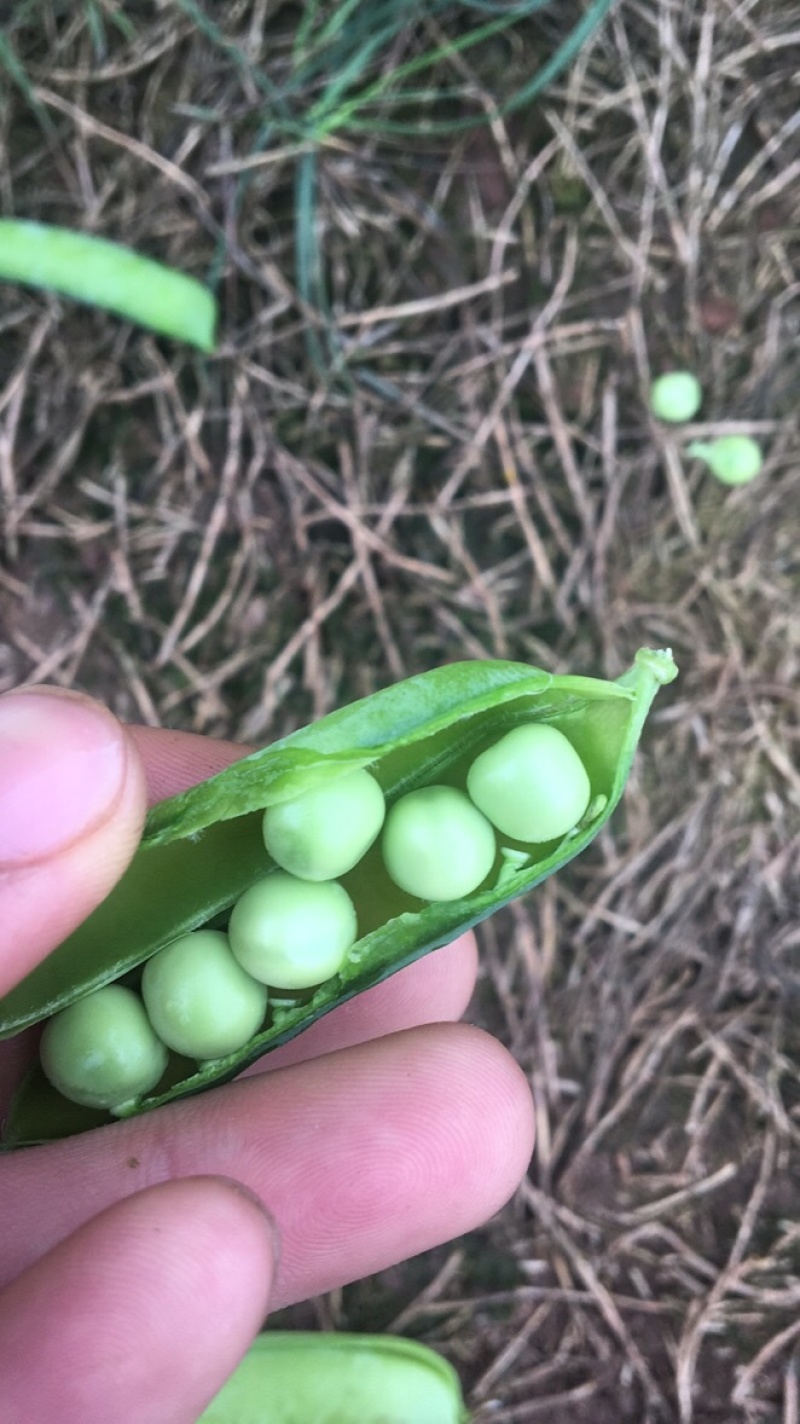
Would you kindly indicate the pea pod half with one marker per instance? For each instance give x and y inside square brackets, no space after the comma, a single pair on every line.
[201,850]
[288,1378]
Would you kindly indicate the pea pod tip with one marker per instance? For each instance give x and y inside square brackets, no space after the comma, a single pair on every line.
[659,662]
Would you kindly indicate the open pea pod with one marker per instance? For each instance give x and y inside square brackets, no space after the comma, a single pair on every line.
[306,1378]
[201,850]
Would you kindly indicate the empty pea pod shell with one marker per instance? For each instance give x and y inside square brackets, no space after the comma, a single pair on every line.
[106,274]
[303,1378]
[201,850]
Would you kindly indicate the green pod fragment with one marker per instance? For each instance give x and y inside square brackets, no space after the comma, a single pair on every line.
[201,850]
[288,1378]
[106,274]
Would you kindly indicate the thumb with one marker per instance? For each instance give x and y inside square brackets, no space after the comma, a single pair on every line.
[143,1313]
[72,804]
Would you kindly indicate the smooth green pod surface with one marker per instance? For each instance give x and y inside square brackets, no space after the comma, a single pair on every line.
[108,275]
[301,1378]
[201,850]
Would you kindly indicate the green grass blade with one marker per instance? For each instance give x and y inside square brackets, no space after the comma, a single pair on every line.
[16,73]
[310,281]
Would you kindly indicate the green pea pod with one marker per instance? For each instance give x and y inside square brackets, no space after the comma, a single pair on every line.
[106,274]
[201,850]
[288,1378]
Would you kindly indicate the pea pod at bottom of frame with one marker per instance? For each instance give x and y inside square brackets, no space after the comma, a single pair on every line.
[202,853]
[288,1378]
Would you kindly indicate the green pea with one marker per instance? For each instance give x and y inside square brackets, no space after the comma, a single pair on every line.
[676,396]
[732,459]
[292,933]
[532,784]
[325,832]
[199,1000]
[102,1050]
[436,845]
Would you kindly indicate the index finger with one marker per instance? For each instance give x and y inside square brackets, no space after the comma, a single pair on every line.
[174,761]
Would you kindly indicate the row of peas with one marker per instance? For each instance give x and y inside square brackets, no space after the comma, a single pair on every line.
[205,995]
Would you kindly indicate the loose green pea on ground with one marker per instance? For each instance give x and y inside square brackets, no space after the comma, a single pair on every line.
[676,396]
[732,459]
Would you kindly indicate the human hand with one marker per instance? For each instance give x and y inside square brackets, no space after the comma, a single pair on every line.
[137,1262]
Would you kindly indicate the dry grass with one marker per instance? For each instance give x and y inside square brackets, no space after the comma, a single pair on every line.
[458,461]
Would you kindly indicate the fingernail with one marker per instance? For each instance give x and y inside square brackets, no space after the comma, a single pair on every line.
[62,765]
[271,1225]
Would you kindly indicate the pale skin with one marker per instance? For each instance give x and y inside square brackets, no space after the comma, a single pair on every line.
[137,1262]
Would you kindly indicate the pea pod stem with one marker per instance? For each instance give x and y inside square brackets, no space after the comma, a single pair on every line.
[109,275]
